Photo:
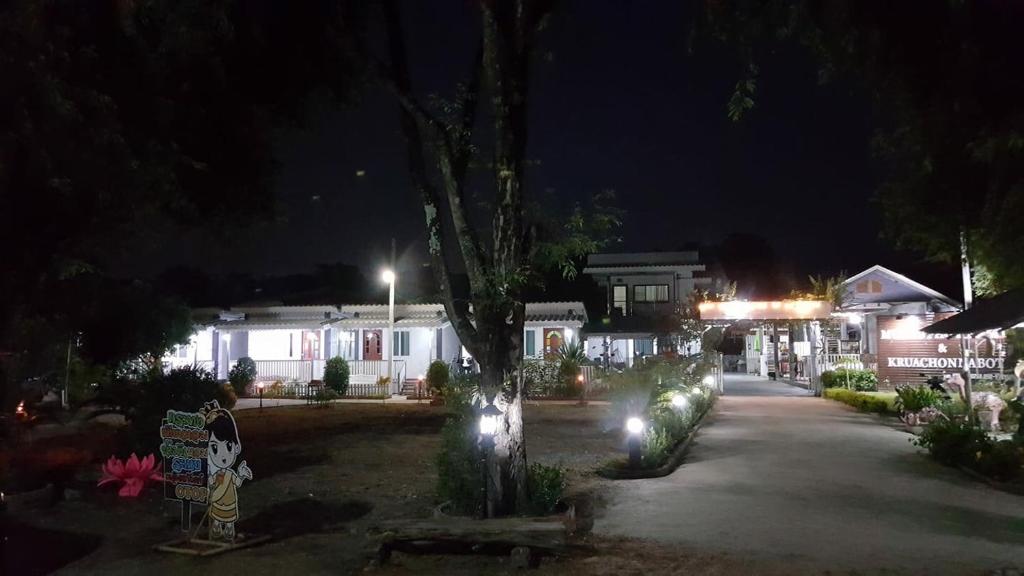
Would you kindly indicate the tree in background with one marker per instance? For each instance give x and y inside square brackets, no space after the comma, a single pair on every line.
[945,79]
[120,119]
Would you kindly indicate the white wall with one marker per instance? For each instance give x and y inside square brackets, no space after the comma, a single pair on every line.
[450,344]
[274,344]
[421,347]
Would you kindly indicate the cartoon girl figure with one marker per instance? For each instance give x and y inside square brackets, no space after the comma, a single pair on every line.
[223,482]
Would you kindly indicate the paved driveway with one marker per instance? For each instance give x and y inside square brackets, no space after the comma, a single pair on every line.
[815,485]
[744,385]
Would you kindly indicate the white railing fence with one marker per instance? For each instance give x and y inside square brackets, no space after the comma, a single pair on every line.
[834,361]
[173,363]
[304,371]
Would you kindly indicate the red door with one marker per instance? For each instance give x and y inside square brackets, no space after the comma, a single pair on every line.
[372,341]
[552,340]
[310,345]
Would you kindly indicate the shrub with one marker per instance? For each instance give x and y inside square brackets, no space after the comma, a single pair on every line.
[541,377]
[437,377]
[952,442]
[860,380]
[242,375]
[336,375]
[458,460]
[546,485]
[324,396]
[1000,460]
[859,400]
[186,389]
[910,399]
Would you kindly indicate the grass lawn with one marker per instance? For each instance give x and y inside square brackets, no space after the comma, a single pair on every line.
[321,476]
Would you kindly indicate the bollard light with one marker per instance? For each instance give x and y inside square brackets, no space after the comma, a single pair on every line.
[580,378]
[679,400]
[488,428]
[259,386]
[634,426]
[708,381]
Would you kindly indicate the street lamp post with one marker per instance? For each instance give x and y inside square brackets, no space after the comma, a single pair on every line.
[489,417]
[389,277]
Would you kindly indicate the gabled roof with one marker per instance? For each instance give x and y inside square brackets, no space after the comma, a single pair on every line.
[901,279]
[1000,312]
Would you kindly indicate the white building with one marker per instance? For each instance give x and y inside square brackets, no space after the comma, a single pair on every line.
[644,294]
[293,343]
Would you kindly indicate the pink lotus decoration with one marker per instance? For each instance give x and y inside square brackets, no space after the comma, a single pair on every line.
[133,472]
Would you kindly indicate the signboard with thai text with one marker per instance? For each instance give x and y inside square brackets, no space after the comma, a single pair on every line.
[184,441]
[907,355]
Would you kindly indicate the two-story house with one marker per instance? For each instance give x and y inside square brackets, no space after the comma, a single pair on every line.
[644,294]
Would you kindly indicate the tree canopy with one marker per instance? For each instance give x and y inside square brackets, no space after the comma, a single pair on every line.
[945,79]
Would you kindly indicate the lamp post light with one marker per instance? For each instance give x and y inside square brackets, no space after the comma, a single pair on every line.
[489,417]
[388,276]
[635,427]
[259,386]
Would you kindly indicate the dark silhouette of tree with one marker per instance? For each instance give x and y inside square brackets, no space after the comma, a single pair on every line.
[945,79]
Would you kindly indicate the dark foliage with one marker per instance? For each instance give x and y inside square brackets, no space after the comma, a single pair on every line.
[336,374]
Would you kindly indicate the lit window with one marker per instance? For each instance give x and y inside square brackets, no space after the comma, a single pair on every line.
[651,293]
[619,298]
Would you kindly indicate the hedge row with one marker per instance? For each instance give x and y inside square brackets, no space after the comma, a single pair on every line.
[860,400]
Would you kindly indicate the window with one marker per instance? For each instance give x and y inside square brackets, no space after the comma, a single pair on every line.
[869,287]
[401,344]
[651,293]
[644,346]
[619,298]
[530,343]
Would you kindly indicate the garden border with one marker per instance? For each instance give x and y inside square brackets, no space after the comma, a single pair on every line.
[674,461]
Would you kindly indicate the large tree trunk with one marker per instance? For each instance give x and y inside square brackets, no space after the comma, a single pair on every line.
[493,330]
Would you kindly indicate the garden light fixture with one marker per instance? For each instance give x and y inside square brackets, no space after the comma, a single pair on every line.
[259,386]
[635,427]
[708,380]
[679,400]
[489,416]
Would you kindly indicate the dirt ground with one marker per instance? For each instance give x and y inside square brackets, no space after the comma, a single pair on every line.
[322,476]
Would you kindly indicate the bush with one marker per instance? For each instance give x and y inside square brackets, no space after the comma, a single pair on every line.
[570,356]
[336,375]
[242,375]
[860,380]
[546,485]
[541,377]
[437,377]
[458,460]
[910,399]
[324,396]
[859,400]
[1000,460]
[952,442]
[186,389]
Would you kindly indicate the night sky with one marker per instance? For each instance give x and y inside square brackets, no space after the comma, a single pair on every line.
[620,102]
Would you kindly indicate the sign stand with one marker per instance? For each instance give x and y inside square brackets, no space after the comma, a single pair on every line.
[195,546]
[194,474]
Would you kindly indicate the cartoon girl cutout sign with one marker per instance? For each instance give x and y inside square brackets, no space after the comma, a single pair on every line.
[223,481]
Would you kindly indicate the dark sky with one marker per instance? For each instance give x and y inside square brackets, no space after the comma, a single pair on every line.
[617,102]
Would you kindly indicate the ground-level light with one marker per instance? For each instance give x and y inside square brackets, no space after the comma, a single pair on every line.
[259,386]
[679,400]
[635,427]
[708,380]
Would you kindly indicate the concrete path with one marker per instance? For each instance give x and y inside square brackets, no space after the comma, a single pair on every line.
[812,483]
[744,385]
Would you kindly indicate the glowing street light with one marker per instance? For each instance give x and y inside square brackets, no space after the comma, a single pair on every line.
[389,277]
[259,386]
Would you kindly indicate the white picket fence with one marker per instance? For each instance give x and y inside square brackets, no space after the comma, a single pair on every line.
[834,361]
[303,371]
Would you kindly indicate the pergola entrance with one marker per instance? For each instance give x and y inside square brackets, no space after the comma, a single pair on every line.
[768,316]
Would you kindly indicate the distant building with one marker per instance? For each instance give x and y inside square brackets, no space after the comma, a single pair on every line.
[644,294]
[293,343]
